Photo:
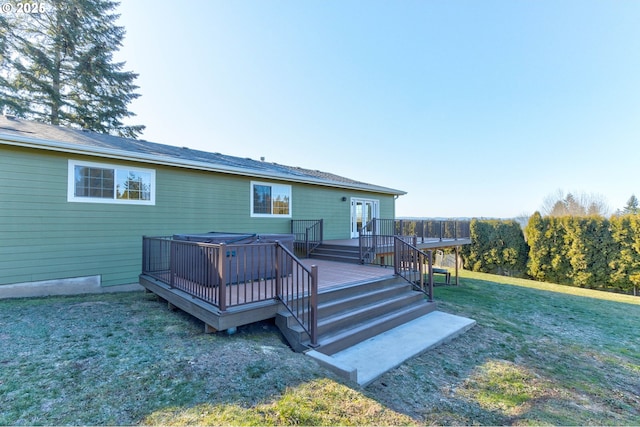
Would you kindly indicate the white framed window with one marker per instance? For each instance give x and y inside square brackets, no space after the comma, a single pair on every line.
[90,182]
[270,200]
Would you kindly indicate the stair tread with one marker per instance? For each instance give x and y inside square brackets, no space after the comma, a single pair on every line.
[341,316]
[355,297]
[336,253]
[366,308]
[378,319]
[331,343]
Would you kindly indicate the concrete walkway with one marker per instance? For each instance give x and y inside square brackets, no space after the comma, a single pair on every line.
[368,360]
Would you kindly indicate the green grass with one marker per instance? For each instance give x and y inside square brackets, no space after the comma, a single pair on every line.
[540,354]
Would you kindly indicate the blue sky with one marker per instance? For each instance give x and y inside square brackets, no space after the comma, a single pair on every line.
[475,108]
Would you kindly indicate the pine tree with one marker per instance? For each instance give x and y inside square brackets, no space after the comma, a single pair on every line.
[57,67]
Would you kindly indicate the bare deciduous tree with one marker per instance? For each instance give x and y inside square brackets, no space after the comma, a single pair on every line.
[574,204]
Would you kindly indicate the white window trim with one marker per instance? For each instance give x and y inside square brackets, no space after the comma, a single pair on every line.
[71,184]
[271,215]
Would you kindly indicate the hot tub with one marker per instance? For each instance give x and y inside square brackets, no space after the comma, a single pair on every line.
[245,257]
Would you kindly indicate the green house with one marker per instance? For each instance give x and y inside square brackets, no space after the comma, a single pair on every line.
[74,205]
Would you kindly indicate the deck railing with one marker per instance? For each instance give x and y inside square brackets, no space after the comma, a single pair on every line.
[414,265]
[230,275]
[308,235]
[427,229]
[378,236]
[299,294]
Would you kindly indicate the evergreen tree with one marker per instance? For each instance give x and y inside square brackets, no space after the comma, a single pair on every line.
[555,237]
[57,67]
[497,247]
[539,262]
[632,206]
[590,250]
[625,263]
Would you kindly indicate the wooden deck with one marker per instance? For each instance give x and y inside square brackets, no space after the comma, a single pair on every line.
[426,243]
[255,301]
[332,274]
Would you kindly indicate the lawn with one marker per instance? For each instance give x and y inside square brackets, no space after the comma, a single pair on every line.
[539,354]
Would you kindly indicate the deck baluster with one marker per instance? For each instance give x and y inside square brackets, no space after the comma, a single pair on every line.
[222,277]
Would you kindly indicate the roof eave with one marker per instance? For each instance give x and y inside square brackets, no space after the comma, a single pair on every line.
[45,144]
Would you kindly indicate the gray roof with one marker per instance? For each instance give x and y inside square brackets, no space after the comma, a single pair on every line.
[14,131]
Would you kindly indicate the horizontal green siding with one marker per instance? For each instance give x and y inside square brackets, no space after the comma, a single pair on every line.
[315,202]
[44,237]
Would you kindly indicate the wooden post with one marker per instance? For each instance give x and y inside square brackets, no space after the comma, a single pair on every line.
[457,275]
[375,235]
[421,269]
[430,259]
[173,250]
[222,277]
[306,242]
[396,256]
[313,313]
[277,256]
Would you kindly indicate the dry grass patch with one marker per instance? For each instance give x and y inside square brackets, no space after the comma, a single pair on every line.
[502,386]
[318,402]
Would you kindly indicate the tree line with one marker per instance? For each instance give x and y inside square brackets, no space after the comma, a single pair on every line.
[588,251]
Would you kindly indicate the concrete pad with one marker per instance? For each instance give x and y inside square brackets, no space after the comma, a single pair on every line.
[345,371]
[375,356]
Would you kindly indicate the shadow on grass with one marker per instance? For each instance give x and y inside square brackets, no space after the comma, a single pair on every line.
[123,359]
[535,356]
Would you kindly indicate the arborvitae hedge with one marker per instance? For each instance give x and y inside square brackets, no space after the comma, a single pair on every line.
[625,262]
[497,247]
[591,252]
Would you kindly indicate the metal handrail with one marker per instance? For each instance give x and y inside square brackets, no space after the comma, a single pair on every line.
[300,295]
[308,234]
[409,263]
[367,243]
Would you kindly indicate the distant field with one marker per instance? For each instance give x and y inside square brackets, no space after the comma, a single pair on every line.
[539,354]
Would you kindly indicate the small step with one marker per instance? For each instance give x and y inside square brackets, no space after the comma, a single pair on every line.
[353,297]
[358,289]
[344,314]
[365,312]
[338,253]
[328,307]
[336,258]
[331,344]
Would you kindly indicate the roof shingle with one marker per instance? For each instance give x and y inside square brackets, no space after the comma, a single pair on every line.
[39,135]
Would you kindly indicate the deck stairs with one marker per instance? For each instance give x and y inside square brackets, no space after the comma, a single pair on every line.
[353,313]
[334,252]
